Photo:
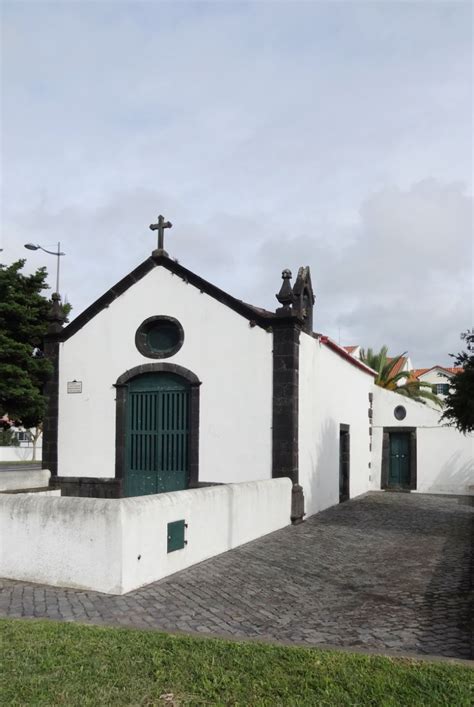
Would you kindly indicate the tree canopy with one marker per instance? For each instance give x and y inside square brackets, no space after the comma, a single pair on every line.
[23,324]
[401,382]
[460,399]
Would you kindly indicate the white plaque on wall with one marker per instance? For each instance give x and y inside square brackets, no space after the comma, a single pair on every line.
[74,386]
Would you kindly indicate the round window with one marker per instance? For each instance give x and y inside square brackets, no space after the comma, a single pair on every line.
[159,337]
[400,412]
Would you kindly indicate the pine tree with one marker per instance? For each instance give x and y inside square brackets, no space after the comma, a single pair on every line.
[460,399]
[23,323]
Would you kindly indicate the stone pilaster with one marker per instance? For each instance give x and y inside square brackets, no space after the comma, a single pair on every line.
[286,336]
[50,421]
[51,388]
[286,342]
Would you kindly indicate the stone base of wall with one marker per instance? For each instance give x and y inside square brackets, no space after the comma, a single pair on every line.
[86,486]
[92,487]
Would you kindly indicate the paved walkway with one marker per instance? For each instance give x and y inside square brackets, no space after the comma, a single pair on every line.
[385,572]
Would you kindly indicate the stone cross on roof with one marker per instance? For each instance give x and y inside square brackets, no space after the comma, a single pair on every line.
[160,227]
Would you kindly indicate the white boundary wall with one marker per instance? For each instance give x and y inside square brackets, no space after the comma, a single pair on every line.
[20,454]
[117,545]
[445,457]
[331,392]
[29,479]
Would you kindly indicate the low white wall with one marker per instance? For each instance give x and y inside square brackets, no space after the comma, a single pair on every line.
[19,454]
[117,545]
[445,457]
[50,492]
[16,480]
[69,542]
[218,519]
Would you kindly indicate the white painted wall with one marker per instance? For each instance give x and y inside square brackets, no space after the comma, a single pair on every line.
[50,492]
[444,455]
[19,454]
[332,391]
[232,359]
[29,479]
[70,542]
[117,545]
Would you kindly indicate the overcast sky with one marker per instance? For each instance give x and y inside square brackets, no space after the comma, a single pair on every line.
[272,135]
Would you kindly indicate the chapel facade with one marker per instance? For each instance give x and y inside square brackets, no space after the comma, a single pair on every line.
[167,382]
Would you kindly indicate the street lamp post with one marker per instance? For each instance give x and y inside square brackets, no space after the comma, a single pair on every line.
[58,253]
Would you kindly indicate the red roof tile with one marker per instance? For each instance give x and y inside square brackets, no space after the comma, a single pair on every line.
[421,371]
[398,366]
[342,351]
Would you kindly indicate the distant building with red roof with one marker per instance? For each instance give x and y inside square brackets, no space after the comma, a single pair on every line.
[353,350]
[438,376]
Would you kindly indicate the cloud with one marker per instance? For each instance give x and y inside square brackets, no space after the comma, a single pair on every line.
[401,276]
[336,135]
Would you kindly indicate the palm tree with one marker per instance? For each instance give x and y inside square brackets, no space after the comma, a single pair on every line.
[390,378]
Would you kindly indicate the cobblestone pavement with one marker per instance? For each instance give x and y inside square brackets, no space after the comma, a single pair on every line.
[384,572]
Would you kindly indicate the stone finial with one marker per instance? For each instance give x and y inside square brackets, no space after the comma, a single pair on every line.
[286,296]
[304,298]
[55,315]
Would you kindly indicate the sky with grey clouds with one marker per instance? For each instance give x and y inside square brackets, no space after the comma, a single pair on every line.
[273,134]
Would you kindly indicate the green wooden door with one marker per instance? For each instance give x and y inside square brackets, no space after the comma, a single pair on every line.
[157,435]
[344,464]
[399,469]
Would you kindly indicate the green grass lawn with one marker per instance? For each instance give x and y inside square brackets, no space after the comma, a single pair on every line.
[46,663]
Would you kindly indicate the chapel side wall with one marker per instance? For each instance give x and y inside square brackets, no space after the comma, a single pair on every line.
[444,455]
[331,392]
[232,359]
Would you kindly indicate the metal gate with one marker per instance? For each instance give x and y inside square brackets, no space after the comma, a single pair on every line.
[157,435]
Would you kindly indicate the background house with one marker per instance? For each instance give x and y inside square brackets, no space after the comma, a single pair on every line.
[18,444]
[353,350]
[438,376]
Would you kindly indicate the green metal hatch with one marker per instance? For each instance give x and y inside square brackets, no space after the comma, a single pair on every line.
[175,535]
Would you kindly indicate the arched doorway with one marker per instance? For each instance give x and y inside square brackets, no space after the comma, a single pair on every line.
[157,429]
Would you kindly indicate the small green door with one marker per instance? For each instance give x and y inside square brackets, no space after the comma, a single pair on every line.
[157,435]
[399,470]
[344,463]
